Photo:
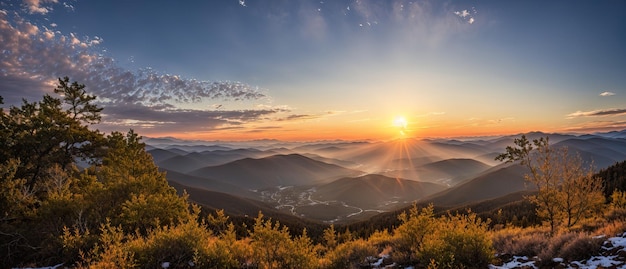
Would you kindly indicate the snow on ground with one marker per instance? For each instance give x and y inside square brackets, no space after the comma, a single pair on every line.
[612,255]
[58,266]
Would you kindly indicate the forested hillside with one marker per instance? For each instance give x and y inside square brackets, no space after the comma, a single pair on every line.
[614,178]
[120,212]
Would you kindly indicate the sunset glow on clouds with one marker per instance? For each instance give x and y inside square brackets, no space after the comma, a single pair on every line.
[306,70]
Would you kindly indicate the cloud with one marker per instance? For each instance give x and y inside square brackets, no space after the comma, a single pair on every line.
[68,6]
[462,14]
[45,55]
[598,126]
[598,113]
[607,94]
[165,119]
[35,56]
[264,129]
[421,22]
[429,22]
[466,15]
[39,6]
[295,117]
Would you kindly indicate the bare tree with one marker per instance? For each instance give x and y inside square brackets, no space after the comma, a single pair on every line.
[567,192]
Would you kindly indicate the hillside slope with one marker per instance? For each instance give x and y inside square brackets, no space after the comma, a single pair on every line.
[277,170]
[499,181]
[375,191]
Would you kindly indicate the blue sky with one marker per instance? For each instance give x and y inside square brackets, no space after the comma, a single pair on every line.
[326,69]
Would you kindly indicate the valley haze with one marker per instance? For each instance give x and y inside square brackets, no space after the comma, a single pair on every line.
[349,181]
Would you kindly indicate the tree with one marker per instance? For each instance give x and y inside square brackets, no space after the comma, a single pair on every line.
[51,131]
[135,193]
[44,196]
[39,145]
[567,192]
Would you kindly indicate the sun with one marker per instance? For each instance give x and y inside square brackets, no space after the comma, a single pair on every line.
[400,122]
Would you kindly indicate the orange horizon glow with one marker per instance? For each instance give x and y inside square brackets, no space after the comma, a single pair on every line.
[393,130]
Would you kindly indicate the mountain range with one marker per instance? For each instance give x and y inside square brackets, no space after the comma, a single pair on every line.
[347,181]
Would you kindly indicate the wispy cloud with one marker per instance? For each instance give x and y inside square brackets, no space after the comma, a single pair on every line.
[598,113]
[173,120]
[597,126]
[607,94]
[427,22]
[296,117]
[35,56]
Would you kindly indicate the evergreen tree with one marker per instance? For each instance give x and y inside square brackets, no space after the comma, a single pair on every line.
[51,131]
[39,144]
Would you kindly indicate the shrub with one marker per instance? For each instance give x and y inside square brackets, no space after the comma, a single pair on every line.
[351,254]
[271,243]
[618,199]
[110,252]
[554,245]
[381,239]
[518,241]
[580,247]
[460,241]
[615,214]
[226,251]
[612,228]
[180,246]
[410,235]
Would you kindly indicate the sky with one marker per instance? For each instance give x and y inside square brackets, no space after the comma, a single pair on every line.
[325,70]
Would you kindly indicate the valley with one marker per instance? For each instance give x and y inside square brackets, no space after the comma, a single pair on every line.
[300,202]
[351,181]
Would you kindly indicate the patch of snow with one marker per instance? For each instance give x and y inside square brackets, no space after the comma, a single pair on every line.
[611,245]
[49,267]
[517,262]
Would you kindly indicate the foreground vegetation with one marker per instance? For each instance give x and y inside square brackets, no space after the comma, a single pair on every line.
[118,210]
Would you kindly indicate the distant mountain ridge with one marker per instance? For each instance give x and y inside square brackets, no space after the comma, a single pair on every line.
[276,170]
[496,182]
[376,189]
[346,181]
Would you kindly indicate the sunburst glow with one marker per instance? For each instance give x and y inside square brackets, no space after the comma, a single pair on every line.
[400,122]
